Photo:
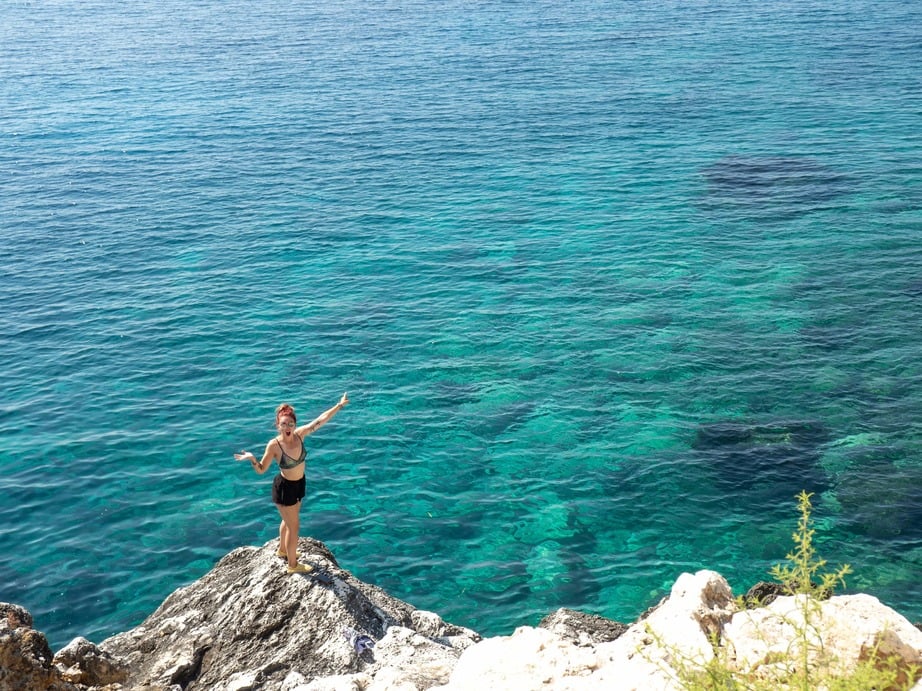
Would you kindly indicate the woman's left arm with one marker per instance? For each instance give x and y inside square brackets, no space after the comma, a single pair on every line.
[322,419]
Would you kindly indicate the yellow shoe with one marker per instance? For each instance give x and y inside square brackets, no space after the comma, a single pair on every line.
[281,555]
[300,568]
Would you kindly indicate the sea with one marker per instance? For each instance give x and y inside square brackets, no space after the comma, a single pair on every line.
[608,283]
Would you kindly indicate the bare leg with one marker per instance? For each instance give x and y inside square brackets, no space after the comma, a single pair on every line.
[283,537]
[291,518]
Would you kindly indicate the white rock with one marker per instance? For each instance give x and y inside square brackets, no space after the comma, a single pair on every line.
[393,679]
[240,681]
[530,658]
[640,659]
[409,660]
[336,682]
[843,627]
[676,633]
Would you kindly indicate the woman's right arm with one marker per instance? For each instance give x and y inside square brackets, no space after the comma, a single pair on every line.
[262,465]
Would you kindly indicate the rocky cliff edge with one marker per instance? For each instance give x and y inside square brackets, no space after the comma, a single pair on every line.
[249,626]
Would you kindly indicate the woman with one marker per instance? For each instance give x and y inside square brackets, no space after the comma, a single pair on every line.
[288,488]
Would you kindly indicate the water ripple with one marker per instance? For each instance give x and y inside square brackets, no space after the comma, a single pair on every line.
[606,288]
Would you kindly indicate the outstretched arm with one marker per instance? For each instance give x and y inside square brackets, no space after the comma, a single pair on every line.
[263,464]
[322,419]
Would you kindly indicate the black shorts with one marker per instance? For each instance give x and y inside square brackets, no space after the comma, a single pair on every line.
[287,492]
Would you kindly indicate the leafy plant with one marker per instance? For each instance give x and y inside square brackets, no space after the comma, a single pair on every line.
[805,665]
[803,563]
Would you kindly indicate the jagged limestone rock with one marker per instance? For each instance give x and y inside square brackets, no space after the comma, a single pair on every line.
[581,628]
[81,662]
[25,657]
[249,625]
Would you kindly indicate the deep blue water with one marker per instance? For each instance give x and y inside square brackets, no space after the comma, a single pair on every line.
[608,283]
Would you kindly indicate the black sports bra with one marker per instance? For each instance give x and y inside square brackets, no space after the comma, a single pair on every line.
[287,462]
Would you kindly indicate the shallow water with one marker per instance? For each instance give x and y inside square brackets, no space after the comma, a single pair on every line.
[607,284]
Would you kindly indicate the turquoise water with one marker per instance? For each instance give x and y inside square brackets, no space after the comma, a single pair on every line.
[608,283]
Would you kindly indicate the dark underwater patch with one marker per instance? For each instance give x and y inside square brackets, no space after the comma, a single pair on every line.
[785,185]
[577,584]
[879,497]
[914,288]
[722,434]
[447,393]
[508,416]
[829,338]
[777,458]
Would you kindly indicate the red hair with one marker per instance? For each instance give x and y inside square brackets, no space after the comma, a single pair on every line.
[285,409]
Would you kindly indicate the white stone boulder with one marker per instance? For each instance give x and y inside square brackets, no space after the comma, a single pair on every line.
[838,633]
[531,658]
[639,659]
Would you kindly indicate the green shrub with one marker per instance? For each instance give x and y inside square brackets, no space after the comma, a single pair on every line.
[805,665]
[803,563]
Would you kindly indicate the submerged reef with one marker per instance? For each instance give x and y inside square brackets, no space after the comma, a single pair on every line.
[776,458]
[776,186]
